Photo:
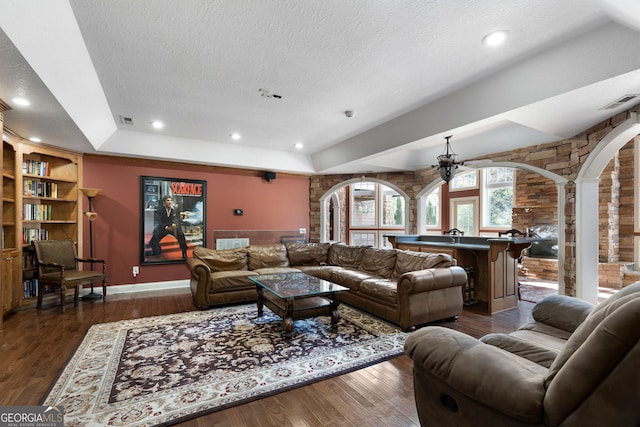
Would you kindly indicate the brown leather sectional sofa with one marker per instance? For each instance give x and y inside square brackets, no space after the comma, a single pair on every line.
[404,287]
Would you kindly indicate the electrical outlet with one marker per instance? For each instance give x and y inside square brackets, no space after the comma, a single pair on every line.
[302,231]
[136,270]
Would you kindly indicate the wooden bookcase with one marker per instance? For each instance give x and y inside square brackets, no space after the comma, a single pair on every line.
[11,247]
[40,199]
[49,206]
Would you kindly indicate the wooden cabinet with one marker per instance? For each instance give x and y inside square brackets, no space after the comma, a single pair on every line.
[39,201]
[11,284]
[7,218]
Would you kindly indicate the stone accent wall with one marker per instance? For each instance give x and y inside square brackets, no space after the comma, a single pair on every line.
[541,268]
[626,208]
[609,190]
[563,158]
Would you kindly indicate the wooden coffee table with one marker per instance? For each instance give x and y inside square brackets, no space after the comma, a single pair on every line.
[294,296]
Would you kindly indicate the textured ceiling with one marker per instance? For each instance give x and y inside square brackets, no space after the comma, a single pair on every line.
[412,72]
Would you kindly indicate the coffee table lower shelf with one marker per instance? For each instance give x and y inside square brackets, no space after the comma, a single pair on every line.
[296,308]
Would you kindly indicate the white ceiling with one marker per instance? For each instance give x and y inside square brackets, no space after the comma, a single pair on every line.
[413,71]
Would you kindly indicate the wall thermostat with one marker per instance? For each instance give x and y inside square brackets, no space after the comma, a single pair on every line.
[238,212]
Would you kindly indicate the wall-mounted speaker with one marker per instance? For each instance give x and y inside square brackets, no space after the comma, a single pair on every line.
[269,176]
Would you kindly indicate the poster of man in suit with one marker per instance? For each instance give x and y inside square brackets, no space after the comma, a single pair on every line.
[173,219]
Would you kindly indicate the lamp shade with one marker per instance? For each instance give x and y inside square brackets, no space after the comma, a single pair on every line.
[90,192]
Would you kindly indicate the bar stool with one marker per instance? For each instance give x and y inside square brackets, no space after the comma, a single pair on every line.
[469,289]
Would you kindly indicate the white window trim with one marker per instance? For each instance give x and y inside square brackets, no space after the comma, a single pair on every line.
[452,211]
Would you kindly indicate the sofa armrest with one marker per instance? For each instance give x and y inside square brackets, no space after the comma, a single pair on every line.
[200,281]
[431,279]
[509,384]
[562,312]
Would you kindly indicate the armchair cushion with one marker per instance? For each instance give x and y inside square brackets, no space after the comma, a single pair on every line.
[60,252]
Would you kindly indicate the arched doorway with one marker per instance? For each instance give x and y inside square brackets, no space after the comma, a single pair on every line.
[587,196]
[558,209]
[336,208]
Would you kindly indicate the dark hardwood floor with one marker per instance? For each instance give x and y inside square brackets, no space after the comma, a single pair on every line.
[36,344]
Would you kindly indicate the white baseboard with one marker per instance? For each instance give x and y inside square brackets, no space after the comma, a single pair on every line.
[143,287]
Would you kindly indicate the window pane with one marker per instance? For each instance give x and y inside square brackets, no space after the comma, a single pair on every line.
[464,180]
[392,207]
[499,176]
[364,204]
[433,208]
[363,238]
[497,197]
[500,202]
[464,217]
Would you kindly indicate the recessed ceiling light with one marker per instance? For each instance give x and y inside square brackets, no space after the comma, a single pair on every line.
[22,102]
[157,124]
[35,139]
[495,38]
[236,136]
[299,145]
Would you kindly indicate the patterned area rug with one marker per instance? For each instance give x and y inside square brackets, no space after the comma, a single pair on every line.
[165,369]
[533,290]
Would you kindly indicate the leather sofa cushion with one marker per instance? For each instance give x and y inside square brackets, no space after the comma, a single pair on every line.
[225,281]
[321,272]
[267,256]
[307,253]
[345,256]
[351,278]
[381,289]
[379,262]
[276,270]
[407,261]
[223,260]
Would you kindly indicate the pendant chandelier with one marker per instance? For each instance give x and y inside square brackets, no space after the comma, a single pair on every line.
[448,162]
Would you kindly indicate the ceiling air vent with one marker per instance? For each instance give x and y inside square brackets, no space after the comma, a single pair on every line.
[126,120]
[619,102]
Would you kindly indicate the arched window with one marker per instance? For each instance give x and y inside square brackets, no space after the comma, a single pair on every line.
[374,209]
[478,202]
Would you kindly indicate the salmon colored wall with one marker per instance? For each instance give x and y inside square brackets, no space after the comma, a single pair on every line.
[282,204]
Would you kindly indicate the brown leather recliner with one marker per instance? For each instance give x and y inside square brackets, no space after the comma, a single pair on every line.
[592,380]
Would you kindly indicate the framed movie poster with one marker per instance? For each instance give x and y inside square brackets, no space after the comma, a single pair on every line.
[172,219]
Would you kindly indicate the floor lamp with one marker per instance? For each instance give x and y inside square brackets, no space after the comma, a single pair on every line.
[91,193]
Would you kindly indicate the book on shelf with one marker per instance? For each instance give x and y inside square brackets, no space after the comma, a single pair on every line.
[35,167]
[30,234]
[28,259]
[30,288]
[40,189]
[37,212]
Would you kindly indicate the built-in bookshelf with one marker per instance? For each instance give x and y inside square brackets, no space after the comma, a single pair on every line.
[11,248]
[49,206]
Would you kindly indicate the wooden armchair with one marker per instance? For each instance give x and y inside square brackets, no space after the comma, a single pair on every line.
[58,262]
